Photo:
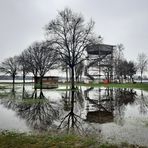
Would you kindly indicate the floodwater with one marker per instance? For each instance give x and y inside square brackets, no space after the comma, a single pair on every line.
[114,115]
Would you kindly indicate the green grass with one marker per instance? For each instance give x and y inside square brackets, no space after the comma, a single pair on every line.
[18,140]
[143,86]
[3,87]
[3,94]
[22,140]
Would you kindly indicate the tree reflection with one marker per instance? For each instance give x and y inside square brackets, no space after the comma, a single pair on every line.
[38,113]
[24,92]
[143,103]
[72,122]
[81,110]
[125,96]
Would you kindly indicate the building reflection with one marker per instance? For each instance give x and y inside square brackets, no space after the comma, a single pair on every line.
[75,111]
[108,104]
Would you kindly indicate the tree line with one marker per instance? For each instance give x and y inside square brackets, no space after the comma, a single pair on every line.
[124,69]
[67,37]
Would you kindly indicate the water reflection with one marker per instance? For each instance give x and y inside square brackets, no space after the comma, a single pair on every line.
[38,112]
[72,121]
[74,111]
[143,103]
[108,105]
[102,110]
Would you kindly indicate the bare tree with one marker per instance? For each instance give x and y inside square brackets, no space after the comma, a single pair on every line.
[70,36]
[23,66]
[40,59]
[10,66]
[118,57]
[79,71]
[142,63]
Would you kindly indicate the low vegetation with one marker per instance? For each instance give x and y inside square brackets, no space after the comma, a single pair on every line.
[22,140]
[18,140]
[143,86]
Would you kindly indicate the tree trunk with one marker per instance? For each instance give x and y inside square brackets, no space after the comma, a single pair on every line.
[41,94]
[13,77]
[66,74]
[35,93]
[23,77]
[35,81]
[141,77]
[80,78]
[108,77]
[72,78]
[72,110]
[23,93]
[41,83]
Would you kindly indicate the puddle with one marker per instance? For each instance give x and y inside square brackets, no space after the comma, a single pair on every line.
[118,115]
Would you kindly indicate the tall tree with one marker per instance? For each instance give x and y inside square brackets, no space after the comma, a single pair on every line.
[70,36]
[10,66]
[142,63]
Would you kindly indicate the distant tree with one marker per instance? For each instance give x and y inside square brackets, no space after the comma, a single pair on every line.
[30,60]
[107,72]
[10,66]
[132,69]
[126,70]
[142,63]
[118,58]
[71,37]
[23,66]
[41,58]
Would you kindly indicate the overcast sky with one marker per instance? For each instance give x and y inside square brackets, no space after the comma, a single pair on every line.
[117,21]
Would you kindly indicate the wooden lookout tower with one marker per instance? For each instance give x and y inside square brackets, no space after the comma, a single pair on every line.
[100,59]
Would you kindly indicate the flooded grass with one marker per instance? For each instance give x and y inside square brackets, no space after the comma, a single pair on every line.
[3,87]
[22,140]
[67,89]
[143,86]
[3,95]
[116,114]
[145,123]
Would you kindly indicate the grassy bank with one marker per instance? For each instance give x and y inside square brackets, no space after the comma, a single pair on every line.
[143,86]
[19,140]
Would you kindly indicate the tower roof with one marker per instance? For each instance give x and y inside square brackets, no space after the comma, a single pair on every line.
[100,49]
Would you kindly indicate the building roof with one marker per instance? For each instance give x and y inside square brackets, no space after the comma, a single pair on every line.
[100,49]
